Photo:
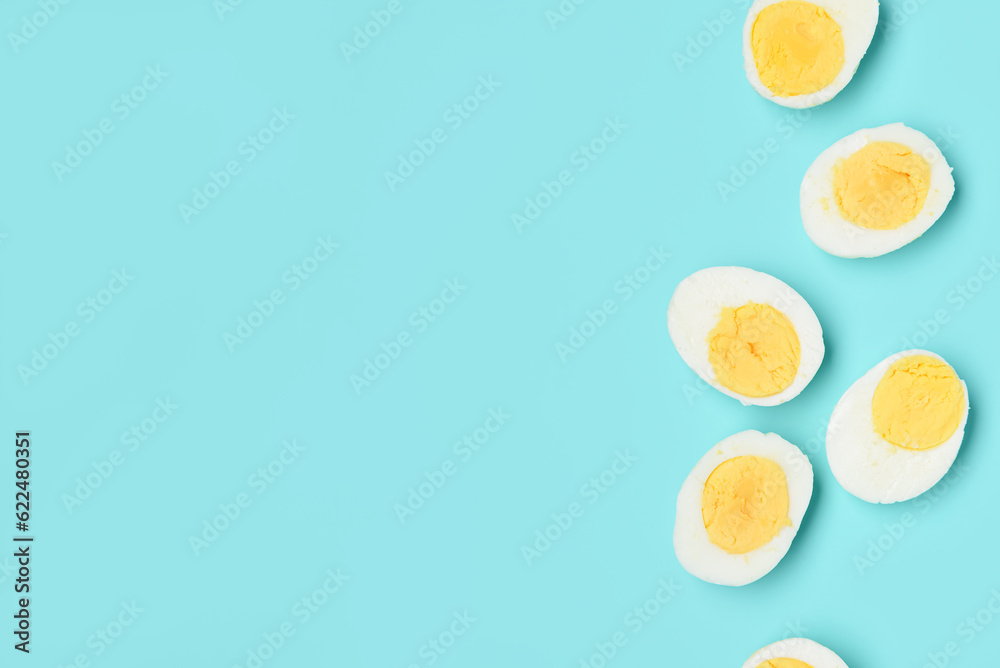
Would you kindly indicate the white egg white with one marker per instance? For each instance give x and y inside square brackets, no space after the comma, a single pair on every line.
[857,19]
[709,562]
[823,220]
[803,649]
[696,307]
[870,467]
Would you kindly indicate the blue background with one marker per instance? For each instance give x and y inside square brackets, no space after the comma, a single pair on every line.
[334,507]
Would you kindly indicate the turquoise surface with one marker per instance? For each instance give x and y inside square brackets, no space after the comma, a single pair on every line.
[297,325]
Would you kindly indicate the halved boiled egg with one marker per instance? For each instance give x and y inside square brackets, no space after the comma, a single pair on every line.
[795,653]
[875,191]
[801,54]
[740,508]
[897,430]
[746,333]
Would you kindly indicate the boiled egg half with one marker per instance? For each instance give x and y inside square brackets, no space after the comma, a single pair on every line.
[801,54]
[897,430]
[874,191]
[740,508]
[746,333]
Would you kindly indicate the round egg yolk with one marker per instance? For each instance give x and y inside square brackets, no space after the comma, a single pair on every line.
[785,663]
[754,350]
[919,403]
[797,47]
[745,503]
[882,186]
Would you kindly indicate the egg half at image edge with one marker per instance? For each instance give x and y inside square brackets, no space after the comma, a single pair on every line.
[795,653]
[897,430]
[746,333]
[801,54]
[875,191]
[740,508]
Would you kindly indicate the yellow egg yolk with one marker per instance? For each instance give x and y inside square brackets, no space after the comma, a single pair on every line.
[919,403]
[797,47]
[745,503]
[754,350]
[785,663]
[882,186]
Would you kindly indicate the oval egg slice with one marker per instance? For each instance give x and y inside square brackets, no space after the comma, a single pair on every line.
[746,333]
[897,430]
[801,54]
[874,191]
[740,508]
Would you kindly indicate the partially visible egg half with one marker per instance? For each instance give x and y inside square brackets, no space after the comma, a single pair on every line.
[795,653]
[801,54]
[746,333]
[740,508]
[875,191]
[896,431]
